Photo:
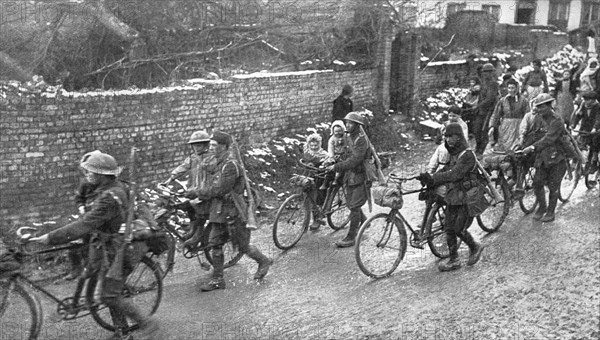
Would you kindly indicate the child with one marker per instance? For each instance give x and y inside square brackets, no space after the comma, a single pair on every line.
[337,145]
[314,155]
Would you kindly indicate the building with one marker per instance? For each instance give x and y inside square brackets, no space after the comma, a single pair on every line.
[567,15]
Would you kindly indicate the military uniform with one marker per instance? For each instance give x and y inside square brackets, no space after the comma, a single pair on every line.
[107,212]
[355,181]
[228,213]
[550,163]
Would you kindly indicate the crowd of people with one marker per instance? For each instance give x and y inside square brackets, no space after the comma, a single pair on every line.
[526,118]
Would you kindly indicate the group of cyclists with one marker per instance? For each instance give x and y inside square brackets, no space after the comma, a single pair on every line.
[518,120]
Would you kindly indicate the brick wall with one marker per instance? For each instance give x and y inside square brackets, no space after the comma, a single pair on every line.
[43,137]
[444,74]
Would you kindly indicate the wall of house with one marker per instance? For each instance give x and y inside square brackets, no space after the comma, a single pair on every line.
[42,137]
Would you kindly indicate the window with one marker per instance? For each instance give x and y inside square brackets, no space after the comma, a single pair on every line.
[492,9]
[590,12]
[455,7]
[559,11]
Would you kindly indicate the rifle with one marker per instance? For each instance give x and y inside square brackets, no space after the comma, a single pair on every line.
[251,221]
[496,195]
[116,269]
[380,176]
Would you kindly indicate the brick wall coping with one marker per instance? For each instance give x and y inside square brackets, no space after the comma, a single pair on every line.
[447,62]
[278,74]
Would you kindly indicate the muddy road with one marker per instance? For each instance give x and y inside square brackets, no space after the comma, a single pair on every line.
[535,281]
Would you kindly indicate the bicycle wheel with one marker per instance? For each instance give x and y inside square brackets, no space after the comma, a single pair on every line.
[166,260]
[528,202]
[230,253]
[291,221]
[21,314]
[380,245]
[435,233]
[493,217]
[338,215]
[143,286]
[570,180]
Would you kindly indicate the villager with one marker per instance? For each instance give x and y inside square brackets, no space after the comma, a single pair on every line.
[588,119]
[196,167]
[535,81]
[101,223]
[590,77]
[342,104]
[228,211]
[565,93]
[487,101]
[507,117]
[550,156]
[355,182]
[459,175]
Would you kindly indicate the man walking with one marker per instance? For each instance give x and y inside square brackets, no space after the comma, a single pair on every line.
[487,102]
[224,189]
[550,164]
[355,181]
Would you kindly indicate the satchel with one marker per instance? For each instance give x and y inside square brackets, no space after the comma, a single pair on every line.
[387,197]
[370,170]
[476,201]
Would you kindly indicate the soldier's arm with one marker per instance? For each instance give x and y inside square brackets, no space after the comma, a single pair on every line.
[463,166]
[105,209]
[182,169]
[358,155]
[225,184]
[555,131]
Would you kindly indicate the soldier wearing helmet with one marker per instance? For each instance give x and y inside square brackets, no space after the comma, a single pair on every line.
[588,116]
[228,211]
[195,165]
[354,181]
[488,96]
[107,212]
[550,154]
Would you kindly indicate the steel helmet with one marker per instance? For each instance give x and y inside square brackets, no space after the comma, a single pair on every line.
[542,98]
[355,117]
[487,67]
[100,163]
[199,137]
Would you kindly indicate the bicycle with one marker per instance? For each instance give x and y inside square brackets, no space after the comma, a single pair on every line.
[20,306]
[591,170]
[494,216]
[172,218]
[384,234]
[293,216]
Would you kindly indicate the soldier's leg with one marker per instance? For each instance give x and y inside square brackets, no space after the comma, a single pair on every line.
[218,237]
[556,174]
[356,197]
[450,229]
[539,180]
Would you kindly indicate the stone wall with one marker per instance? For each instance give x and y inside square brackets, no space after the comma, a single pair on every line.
[42,137]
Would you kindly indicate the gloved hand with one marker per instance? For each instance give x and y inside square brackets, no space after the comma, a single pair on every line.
[425,178]
[191,194]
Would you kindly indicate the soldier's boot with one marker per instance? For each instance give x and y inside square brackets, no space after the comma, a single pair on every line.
[264,262]
[540,194]
[217,281]
[453,263]
[356,219]
[552,201]
[475,248]
[317,221]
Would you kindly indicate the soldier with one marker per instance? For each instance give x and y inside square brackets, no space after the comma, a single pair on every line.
[457,174]
[487,101]
[550,164]
[196,165]
[224,189]
[355,181]
[102,222]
